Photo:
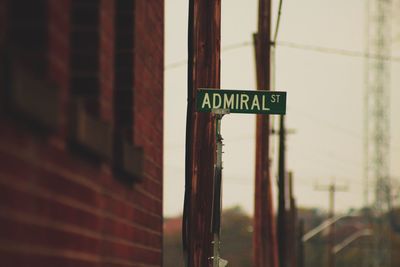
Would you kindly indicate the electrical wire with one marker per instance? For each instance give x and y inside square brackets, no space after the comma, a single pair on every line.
[306,47]
[326,123]
[337,51]
[227,48]
[278,22]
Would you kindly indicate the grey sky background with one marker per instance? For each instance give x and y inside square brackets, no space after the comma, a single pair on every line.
[324,101]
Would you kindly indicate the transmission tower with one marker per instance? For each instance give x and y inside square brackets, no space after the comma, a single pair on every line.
[377,127]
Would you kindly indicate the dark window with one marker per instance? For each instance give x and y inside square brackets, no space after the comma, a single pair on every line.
[128,159]
[89,134]
[28,96]
[123,91]
[85,44]
[28,33]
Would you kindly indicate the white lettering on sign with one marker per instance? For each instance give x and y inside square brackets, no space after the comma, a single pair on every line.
[229,101]
[217,99]
[255,104]
[206,101]
[243,101]
[237,101]
[275,98]
[264,103]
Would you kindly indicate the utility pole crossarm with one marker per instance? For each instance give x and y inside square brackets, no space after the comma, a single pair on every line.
[329,187]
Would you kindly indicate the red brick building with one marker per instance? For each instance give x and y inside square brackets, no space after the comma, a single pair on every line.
[81,132]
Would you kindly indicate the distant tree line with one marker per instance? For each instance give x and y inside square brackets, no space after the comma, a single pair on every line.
[237,247]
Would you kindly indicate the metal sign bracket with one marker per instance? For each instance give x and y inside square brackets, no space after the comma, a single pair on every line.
[217,196]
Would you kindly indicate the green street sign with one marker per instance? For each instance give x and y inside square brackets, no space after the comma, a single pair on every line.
[239,101]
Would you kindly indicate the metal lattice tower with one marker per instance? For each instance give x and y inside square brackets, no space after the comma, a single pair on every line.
[377,127]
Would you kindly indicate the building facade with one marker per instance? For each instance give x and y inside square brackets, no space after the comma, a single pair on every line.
[81,132]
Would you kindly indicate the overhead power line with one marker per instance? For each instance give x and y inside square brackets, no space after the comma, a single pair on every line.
[306,47]
[337,51]
[278,20]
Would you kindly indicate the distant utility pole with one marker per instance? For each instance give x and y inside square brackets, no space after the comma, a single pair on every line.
[282,198]
[292,225]
[204,32]
[285,198]
[332,189]
[264,237]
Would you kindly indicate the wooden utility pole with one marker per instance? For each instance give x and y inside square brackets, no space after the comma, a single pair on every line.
[332,189]
[291,225]
[285,199]
[204,32]
[264,238]
[282,197]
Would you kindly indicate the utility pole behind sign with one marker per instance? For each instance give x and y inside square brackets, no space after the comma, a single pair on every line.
[264,238]
[292,225]
[282,198]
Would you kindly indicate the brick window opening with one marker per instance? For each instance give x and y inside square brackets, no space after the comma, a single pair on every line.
[128,159]
[88,133]
[102,141]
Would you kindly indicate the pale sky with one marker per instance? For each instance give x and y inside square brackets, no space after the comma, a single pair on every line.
[324,100]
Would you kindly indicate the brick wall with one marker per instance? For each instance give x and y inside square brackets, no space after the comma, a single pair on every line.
[61,203]
[148,84]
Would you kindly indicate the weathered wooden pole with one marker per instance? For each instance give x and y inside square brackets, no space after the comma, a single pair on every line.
[292,225]
[264,238]
[282,198]
[203,72]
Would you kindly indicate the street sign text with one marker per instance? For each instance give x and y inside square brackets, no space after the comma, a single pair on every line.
[239,101]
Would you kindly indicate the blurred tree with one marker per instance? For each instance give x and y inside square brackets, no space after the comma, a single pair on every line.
[236,238]
[395,261]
